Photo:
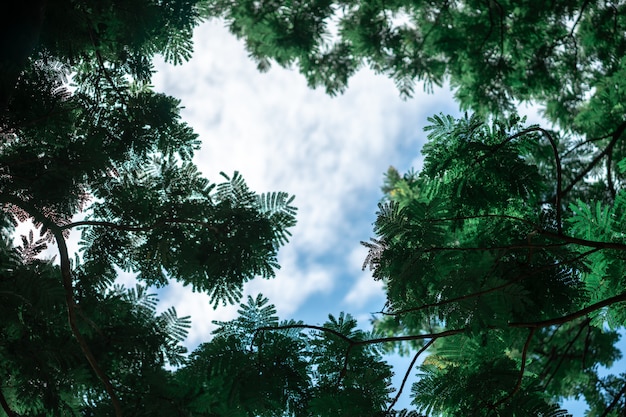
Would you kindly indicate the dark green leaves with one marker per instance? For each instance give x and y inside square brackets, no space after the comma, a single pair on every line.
[521,276]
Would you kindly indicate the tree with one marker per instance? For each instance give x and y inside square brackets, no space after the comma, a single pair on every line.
[495,54]
[508,267]
[111,158]
[502,258]
[504,253]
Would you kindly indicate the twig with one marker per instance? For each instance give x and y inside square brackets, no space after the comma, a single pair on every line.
[408,372]
[573,316]
[583,325]
[66,274]
[584,242]
[353,342]
[129,228]
[557,162]
[71,314]
[488,290]
[609,148]
[614,402]
[520,378]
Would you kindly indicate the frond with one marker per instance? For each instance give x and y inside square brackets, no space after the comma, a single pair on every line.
[277,207]
[374,252]
[175,327]
[235,191]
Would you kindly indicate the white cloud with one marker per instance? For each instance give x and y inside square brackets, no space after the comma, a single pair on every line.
[291,288]
[282,135]
[198,306]
[365,290]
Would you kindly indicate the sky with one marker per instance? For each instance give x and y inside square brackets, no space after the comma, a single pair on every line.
[330,152]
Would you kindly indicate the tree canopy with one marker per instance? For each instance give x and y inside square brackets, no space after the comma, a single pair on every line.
[502,258]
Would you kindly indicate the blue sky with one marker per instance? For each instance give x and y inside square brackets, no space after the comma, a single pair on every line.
[330,153]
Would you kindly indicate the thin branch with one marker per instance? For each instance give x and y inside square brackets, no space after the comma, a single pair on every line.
[66,274]
[490,248]
[557,162]
[580,15]
[408,372]
[488,290]
[609,175]
[129,228]
[353,342]
[344,369]
[559,179]
[583,143]
[520,378]
[71,314]
[573,316]
[486,216]
[609,148]
[614,402]
[103,68]
[306,327]
[584,242]
[563,355]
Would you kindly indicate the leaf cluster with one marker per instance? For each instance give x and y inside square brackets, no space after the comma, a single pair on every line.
[491,253]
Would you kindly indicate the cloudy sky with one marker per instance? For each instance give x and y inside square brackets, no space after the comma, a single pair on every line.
[330,153]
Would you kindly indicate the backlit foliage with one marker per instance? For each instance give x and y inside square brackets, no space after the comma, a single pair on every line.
[502,259]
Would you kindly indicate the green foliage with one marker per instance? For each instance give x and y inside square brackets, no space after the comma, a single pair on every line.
[567,55]
[85,143]
[502,255]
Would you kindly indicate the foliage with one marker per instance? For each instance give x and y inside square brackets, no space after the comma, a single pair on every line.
[565,54]
[502,258]
[87,145]
[507,255]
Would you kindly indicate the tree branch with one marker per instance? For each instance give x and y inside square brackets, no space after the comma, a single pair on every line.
[71,314]
[520,378]
[614,402]
[569,345]
[128,228]
[573,316]
[408,372]
[488,290]
[363,342]
[557,162]
[609,147]
[66,274]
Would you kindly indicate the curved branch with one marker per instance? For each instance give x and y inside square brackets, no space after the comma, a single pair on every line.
[353,342]
[614,402]
[609,148]
[66,274]
[557,162]
[71,314]
[520,377]
[306,327]
[129,228]
[569,345]
[5,406]
[488,290]
[573,316]
[584,242]
[408,372]
[559,179]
